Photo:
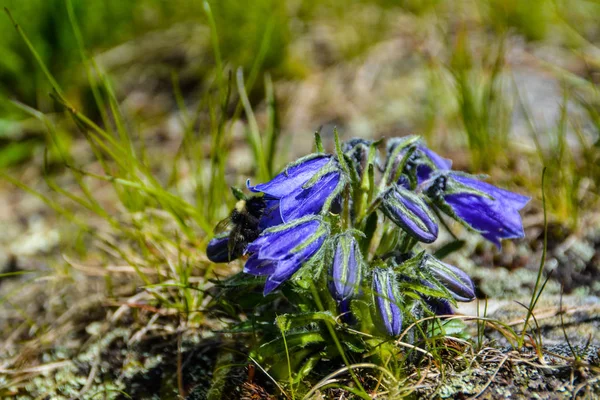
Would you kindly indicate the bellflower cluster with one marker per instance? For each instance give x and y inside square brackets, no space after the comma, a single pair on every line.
[352,224]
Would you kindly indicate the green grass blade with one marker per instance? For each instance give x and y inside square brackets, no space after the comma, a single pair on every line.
[253,131]
[535,295]
[37,57]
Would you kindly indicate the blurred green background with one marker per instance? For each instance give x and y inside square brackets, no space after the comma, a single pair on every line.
[354,25]
[471,76]
[108,23]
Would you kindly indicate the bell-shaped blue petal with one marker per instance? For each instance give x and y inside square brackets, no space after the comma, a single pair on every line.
[291,178]
[407,210]
[386,297]
[455,280]
[271,215]
[508,198]
[307,201]
[218,250]
[280,251]
[259,266]
[346,270]
[492,211]
[304,188]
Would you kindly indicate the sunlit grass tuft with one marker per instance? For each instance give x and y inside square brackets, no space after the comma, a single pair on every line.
[570,156]
[157,232]
[482,103]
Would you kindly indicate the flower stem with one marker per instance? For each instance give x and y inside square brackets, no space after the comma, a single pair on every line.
[338,345]
[289,364]
[346,212]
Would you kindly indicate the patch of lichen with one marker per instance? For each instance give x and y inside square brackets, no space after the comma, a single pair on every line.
[512,374]
[101,364]
[86,375]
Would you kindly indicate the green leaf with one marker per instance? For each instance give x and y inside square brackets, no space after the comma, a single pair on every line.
[288,321]
[298,340]
[451,327]
[238,194]
[449,248]
[426,290]
[412,265]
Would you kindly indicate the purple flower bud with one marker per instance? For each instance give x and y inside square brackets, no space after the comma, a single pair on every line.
[407,210]
[346,270]
[358,151]
[458,283]
[422,162]
[280,251]
[439,306]
[385,293]
[218,250]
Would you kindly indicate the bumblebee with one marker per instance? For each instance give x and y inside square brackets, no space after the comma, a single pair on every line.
[237,230]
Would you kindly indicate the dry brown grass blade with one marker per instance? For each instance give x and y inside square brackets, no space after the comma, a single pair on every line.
[39,369]
[489,382]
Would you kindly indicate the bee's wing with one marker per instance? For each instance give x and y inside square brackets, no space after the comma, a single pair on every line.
[269,210]
[223,225]
[236,244]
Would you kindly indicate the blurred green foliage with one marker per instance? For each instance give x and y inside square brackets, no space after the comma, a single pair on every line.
[292,39]
[105,24]
[244,30]
[482,103]
[568,22]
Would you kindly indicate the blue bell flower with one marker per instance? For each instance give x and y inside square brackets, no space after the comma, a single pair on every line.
[280,251]
[387,298]
[492,211]
[305,187]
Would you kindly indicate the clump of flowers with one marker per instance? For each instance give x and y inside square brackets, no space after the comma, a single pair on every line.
[352,224]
